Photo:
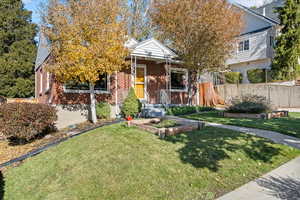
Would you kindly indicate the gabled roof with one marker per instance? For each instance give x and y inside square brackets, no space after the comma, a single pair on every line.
[131,43]
[152,48]
[43,51]
[270,9]
[256,14]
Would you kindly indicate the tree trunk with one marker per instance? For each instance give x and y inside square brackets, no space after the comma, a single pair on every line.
[192,86]
[92,114]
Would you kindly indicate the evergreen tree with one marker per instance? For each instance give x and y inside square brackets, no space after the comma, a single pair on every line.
[17,50]
[286,62]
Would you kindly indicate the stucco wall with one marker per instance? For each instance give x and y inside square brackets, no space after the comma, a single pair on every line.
[278,95]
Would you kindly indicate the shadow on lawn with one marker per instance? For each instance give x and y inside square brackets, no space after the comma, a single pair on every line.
[1,186]
[282,188]
[205,148]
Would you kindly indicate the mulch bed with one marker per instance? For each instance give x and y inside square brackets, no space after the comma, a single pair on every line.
[10,151]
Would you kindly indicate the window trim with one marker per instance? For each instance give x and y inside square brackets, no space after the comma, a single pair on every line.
[187,79]
[70,91]
[243,41]
[48,82]
[41,82]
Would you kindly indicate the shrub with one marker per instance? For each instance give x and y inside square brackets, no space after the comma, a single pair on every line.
[132,105]
[256,76]
[185,110]
[233,77]
[26,121]
[249,104]
[103,110]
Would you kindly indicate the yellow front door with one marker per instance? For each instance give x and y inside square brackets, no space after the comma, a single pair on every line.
[140,82]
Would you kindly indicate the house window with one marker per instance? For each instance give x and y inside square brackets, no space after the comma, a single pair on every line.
[272,41]
[244,46]
[178,79]
[100,85]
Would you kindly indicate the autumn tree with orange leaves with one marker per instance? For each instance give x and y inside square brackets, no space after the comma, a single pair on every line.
[87,40]
[202,32]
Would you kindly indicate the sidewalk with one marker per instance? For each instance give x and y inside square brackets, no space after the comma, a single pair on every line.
[282,183]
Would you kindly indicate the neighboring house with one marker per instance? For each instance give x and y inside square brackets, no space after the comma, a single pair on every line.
[156,75]
[255,45]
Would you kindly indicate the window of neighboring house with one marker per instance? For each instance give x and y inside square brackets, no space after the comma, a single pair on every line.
[101,84]
[41,82]
[272,41]
[179,79]
[244,46]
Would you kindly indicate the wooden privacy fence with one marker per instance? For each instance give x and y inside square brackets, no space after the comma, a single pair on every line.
[21,100]
[208,95]
[278,95]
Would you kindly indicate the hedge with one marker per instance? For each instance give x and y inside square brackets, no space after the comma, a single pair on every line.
[233,77]
[185,110]
[256,76]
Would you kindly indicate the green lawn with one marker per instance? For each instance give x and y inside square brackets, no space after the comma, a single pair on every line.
[289,126]
[116,162]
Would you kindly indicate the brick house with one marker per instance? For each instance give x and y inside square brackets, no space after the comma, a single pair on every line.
[155,74]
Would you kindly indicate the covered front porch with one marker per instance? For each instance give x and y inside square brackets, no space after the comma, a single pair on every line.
[157,77]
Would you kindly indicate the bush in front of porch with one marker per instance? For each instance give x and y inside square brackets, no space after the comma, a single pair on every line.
[132,105]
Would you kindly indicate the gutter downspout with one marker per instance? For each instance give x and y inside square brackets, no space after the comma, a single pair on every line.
[116,93]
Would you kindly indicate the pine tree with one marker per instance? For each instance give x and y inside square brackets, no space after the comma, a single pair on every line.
[17,50]
[286,62]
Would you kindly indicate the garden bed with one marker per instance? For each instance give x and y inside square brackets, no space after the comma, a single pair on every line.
[166,126]
[270,115]
[10,150]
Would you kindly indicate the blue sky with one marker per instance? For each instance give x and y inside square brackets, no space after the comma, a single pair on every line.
[33,5]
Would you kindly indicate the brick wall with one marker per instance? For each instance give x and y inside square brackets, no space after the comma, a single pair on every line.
[156,81]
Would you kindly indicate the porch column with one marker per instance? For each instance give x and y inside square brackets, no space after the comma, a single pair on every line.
[133,70]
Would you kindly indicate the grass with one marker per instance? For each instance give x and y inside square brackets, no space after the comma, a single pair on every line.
[287,125]
[166,124]
[116,162]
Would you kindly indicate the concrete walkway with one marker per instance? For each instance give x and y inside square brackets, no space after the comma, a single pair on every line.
[271,135]
[282,183]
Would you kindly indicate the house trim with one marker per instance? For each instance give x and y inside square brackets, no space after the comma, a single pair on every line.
[70,91]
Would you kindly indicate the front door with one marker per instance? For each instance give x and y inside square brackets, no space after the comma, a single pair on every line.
[140,81]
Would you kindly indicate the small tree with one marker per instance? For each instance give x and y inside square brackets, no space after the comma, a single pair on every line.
[286,64]
[87,39]
[202,32]
[132,105]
